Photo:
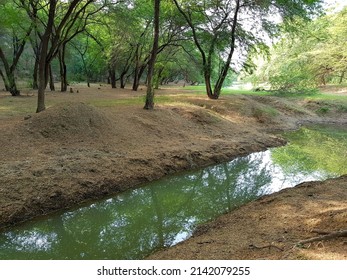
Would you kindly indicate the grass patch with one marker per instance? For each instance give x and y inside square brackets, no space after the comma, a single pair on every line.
[308,95]
[265,113]
[244,91]
[328,97]
[342,108]
[202,90]
[323,110]
[197,89]
[16,106]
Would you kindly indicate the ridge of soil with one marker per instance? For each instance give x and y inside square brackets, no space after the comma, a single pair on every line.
[74,152]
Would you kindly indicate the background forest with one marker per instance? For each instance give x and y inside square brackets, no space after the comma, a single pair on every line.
[281,45]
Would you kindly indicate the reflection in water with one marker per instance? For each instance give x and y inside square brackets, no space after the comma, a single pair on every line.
[163,213]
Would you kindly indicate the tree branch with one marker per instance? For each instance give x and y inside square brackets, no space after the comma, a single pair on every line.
[332,235]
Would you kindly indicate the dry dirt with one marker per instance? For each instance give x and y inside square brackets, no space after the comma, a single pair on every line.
[94,143]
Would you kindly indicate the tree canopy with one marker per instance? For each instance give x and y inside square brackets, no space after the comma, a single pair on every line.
[197,42]
[314,55]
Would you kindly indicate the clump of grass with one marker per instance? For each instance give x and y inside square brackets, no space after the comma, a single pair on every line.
[265,113]
[323,110]
[342,108]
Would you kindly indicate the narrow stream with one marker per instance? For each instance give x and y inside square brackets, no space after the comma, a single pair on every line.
[134,224]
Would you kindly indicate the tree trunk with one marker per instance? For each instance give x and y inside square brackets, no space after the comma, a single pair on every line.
[51,78]
[342,77]
[112,77]
[149,105]
[35,72]
[7,88]
[224,73]
[141,71]
[209,91]
[158,78]
[43,63]
[136,81]
[12,85]
[8,76]
[136,77]
[62,69]
[122,80]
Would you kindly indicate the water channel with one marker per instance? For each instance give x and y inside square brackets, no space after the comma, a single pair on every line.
[133,224]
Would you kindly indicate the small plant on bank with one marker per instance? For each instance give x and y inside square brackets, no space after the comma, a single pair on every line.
[323,110]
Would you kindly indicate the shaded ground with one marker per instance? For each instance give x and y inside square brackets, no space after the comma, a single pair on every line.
[99,141]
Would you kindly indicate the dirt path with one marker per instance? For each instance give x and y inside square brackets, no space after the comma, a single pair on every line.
[97,142]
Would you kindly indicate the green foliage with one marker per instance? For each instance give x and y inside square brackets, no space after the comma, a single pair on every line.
[323,110]
[119,37]
[342,108]
[314,56]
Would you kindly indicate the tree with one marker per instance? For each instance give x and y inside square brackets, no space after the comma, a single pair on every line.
[150,91]
[219,28]
[176,64]
[315,55]
[17,30]
[59,21]
[90,54]
[210,23]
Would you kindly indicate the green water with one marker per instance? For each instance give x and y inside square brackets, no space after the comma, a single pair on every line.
[134,224]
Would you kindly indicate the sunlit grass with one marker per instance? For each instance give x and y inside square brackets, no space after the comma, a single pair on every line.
[26,104]
[309,95]
[14,106]
[202,90]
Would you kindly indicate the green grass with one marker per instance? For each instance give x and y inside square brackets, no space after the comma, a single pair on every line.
[323,110]
[265,113]
[328,101]
[305,94]
[244,91]
[201,89]
[19,106]
[14,106]
[197,89]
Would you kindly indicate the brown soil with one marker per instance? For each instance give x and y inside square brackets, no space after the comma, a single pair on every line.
[75,151]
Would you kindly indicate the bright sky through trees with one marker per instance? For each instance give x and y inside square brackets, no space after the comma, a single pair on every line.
[338,4]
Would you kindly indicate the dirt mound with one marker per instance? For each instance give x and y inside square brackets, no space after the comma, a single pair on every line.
[70,120]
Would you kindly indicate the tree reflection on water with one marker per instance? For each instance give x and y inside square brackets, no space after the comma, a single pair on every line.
[133,224]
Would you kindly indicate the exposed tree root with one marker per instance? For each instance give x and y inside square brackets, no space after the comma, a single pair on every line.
[326,236]
[252,246]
